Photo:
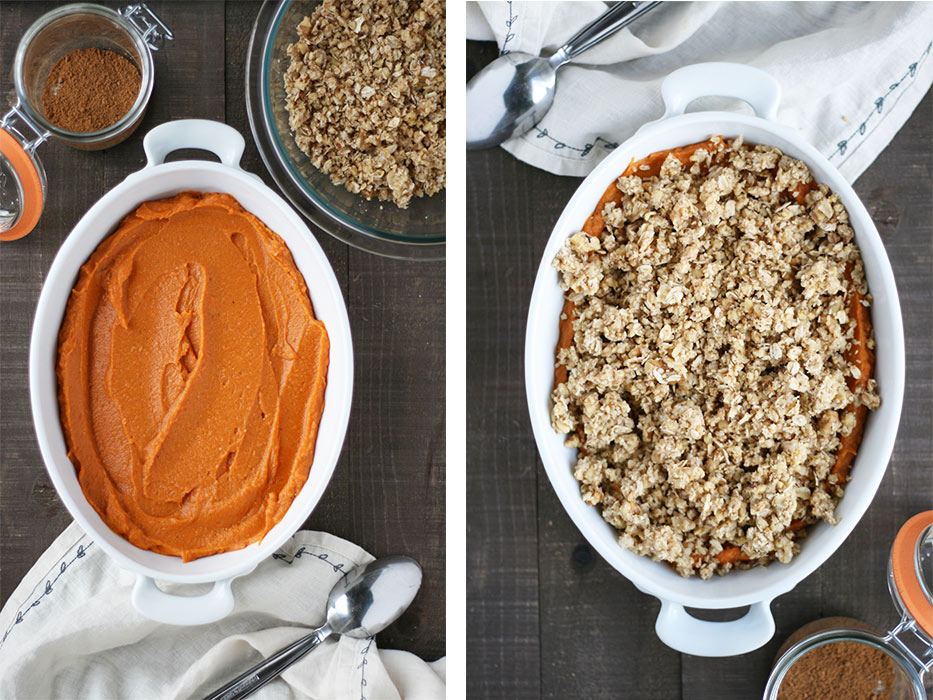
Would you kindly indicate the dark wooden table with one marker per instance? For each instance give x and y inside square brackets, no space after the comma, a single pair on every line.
[388,491]
[547,617]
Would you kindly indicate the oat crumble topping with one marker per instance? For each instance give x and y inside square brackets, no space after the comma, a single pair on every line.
[366,95]
[706,383]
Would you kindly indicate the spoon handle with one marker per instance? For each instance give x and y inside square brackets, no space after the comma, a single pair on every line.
[604,26]
[265,671]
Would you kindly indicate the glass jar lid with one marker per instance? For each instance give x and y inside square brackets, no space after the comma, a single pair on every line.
[910,577]
[22,180]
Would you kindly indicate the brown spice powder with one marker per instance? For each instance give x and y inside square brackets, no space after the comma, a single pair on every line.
[840,671]
[90,89]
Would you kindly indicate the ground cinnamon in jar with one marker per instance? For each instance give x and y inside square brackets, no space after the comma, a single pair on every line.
[90,89]
[840,671]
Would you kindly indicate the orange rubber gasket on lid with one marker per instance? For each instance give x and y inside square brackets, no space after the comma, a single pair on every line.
[25,169]
[906,576]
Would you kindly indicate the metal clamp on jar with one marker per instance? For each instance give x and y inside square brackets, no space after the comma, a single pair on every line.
[909,646]
[133,33]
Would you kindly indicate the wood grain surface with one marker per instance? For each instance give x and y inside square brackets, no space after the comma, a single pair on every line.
[547,616]
[388,491]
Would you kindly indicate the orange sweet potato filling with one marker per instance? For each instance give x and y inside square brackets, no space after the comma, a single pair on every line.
[858,353]
[191,376]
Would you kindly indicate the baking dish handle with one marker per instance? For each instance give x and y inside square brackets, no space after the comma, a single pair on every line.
[160,606]
[754,86]
[223,141]
[681,631]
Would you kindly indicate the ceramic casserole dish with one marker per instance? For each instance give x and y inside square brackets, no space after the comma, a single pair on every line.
[157,180]
[758,586]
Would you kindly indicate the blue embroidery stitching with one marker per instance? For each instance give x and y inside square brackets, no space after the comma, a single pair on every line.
[49,587]
[303,551]
[843,145]
[509,34]
[559,145]
[362,668]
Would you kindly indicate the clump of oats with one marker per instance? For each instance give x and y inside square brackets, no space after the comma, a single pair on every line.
[365,95]
[707,378]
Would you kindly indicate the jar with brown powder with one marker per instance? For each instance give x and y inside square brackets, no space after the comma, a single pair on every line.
[844,659]
[83,75]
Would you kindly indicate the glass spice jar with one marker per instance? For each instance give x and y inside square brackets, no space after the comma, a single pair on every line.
[132,32]
[909,646]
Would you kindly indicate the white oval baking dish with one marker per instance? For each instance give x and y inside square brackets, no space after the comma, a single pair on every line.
[755,587]
[154,181]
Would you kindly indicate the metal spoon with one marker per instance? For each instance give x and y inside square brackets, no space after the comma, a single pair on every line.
[363,603]
[514,92]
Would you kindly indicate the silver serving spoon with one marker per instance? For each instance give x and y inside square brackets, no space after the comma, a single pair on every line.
[361,604]
[514,92]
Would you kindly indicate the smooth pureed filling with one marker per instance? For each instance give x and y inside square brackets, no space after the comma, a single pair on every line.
[714,367]
[191,376]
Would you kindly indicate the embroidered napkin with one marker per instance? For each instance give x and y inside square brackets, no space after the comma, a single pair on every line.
[70,631]
[850,73]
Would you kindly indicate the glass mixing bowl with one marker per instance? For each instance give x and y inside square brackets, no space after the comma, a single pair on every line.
[375,226]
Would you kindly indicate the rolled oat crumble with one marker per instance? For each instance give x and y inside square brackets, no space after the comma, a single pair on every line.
[708,384]
[366,95]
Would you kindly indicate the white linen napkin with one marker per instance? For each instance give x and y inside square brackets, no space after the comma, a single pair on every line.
[70,631]
[850,73]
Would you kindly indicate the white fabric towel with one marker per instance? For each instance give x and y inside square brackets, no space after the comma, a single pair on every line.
[70,631]
[850,73]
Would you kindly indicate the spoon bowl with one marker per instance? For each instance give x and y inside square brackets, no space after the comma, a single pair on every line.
[371,597]
[514,92]
[508,97]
